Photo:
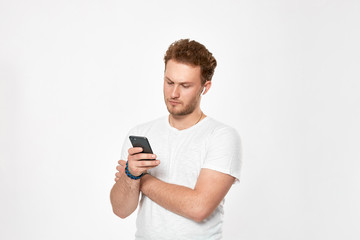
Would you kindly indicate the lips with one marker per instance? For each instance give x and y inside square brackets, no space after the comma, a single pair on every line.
[174,102]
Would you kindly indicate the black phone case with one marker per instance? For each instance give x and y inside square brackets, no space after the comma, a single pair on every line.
[138,141]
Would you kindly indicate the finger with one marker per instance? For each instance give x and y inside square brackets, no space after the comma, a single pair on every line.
[142,156]
[119,167]
[144,169]
[116,179]
[122,162]
[118,175]
[145,164]
[135,150]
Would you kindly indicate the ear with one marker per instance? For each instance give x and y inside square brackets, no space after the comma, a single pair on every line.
[207,86]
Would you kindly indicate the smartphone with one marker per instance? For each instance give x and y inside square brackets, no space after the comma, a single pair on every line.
[138,141]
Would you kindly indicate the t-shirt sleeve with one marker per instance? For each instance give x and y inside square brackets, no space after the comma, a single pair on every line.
[224,152]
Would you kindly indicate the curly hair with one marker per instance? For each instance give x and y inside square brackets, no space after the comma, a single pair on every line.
[193,53]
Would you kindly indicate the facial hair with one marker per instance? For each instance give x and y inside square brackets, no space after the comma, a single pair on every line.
[187,109]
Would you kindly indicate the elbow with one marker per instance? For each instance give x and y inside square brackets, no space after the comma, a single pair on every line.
[200,214]
[199,218]
[119,210]
[120,214]
[122,211]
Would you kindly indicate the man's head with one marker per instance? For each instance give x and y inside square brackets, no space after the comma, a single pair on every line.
[194,54]
[189,68]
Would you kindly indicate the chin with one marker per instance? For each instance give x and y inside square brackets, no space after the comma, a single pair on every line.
[179,112]
[173,111]
[181,109]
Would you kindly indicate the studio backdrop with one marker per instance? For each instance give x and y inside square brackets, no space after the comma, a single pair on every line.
[76,75]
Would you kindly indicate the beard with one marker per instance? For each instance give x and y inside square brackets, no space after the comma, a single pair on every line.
[182,110]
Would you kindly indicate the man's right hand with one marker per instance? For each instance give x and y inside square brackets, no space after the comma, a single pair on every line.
[136,163]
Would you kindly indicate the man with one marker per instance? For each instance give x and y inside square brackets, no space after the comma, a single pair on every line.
[195,162]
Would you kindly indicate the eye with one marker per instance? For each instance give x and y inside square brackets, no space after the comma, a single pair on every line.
[170,83]
[186,86]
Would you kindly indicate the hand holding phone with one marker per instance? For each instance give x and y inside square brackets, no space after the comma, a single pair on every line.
[141,161]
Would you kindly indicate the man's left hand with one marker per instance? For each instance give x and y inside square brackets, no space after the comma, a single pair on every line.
[120,168]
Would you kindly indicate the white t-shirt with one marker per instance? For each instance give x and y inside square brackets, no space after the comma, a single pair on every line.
[182,153]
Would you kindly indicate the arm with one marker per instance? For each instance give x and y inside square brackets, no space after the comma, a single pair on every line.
[124,195]
[196,204]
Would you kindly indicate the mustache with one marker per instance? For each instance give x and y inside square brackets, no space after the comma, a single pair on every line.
[174,100]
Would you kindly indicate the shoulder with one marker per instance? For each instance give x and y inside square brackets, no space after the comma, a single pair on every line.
[146,126]
[221,129]
[222,136]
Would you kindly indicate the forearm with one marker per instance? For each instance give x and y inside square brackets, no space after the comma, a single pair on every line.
[125,193]
[124,196]
[175,198]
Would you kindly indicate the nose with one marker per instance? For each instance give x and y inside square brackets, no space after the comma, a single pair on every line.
[175,92]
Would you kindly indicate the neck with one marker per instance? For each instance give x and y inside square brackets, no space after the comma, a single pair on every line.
[186,121]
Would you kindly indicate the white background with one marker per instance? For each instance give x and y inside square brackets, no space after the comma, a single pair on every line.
[77,75]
